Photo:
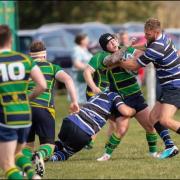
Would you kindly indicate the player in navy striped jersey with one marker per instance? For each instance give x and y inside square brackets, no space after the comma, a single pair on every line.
[77,128]
[161,51]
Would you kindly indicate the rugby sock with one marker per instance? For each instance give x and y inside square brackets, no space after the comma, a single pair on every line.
[152,142]
[178,131]
[164,134]
[90,144]
[112,143]
[59,156]
[25,164]
[27,151]
[45,151]
[13,173]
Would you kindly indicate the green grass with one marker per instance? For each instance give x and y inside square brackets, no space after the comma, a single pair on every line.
[129,161]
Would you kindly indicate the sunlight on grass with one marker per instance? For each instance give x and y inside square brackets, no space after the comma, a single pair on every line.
[129,161]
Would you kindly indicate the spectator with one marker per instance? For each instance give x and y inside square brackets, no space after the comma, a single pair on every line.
[124,38]
[81,57]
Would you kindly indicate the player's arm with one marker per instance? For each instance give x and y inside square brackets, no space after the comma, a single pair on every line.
[67,80]
[114,57]
[130,64]
[139,47]
[88,72]
[40,81]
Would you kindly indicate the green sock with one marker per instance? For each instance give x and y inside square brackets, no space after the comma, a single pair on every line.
[91,143]
[13,173]
[27,151]
[25,164]
[152,142]
[45,151]
[112,143]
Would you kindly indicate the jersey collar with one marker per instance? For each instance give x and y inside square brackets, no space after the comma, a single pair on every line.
[5,50]
[159,37]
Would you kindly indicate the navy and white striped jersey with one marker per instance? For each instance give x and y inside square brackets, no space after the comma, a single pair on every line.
[163,54]
[94,114]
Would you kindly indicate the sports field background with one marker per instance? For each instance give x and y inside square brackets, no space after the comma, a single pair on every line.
[129,161]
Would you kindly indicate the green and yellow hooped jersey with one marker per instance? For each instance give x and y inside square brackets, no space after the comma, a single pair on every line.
[49,71]
[100,76]
[122,81]
[15,68]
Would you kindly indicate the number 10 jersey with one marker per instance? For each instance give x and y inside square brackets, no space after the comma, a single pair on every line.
[15,68]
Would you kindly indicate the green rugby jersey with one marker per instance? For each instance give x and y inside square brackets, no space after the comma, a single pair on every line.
[15,68]
[100,76]
[122,81]
[49,71]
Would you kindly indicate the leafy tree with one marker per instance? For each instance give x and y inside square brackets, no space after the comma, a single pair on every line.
[32,14]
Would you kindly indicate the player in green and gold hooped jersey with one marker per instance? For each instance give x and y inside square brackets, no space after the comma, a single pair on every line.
[125,83]
[96,76]
[15,110]
[43,110]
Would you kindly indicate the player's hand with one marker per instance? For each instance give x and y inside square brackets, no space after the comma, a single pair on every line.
[132,41]
[74,107]
[96,90]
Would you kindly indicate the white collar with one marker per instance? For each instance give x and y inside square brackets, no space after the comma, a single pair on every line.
[159,37]
[4,50]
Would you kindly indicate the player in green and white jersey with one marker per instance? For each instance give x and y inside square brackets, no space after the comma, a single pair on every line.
[96,78]
[15,110]
[43,109]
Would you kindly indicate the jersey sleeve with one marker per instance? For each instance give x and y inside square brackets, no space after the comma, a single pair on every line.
[153,53]
[131,50]
[116,99]
[57,69]
[32,63]
[93,63]
[129,53]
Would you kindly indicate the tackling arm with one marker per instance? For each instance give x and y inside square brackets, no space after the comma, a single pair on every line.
[67,80]
[88,72]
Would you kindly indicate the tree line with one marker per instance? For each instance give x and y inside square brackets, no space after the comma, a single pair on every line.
[33,14]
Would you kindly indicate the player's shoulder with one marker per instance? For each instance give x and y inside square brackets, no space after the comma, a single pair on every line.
[101,54]
[16,53]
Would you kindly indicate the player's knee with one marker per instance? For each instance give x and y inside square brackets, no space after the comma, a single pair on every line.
[121,131]
[153,117]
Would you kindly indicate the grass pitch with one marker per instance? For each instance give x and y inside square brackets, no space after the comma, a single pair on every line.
[129,161]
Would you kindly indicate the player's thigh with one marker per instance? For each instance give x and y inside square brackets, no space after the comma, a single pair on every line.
[167,111]
[143,119]
[72,136]
[22,134]
[45,126]
[155,113]
[8,142]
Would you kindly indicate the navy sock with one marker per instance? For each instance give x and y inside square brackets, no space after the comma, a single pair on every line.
[164,134]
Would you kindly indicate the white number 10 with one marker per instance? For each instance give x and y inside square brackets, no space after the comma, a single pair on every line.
[7,71]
